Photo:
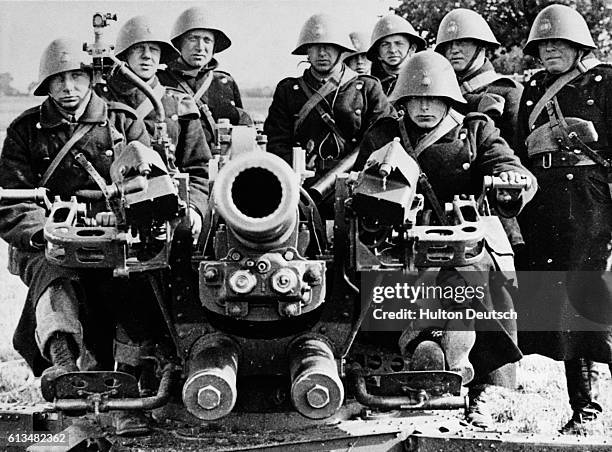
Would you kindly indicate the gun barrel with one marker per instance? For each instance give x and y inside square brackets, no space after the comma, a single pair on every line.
[325,186]
[257,195]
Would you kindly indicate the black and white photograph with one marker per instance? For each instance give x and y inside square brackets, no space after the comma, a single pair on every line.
[271,225]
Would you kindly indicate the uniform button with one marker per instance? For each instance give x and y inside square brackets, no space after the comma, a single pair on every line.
[598,78]
[102,124]
[223,80]
[462,136]
[295,87]
[466,166]
[533,83]
[105,89]
[577,151]
[358,111]
[529,103]
[569,176]
[108,153]
[233,103]
[172,147]
[174,117]
[590,102]
[38,126]
[354,140]
[533,127]
[359,85]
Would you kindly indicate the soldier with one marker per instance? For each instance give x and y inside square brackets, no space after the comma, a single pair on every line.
[143,48]
[463,38]
[327,110]
[393,41]
[454,152]
[357,60]
[195,71]
[564,137]
[41,150]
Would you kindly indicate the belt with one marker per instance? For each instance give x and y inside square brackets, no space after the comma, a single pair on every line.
[560,158]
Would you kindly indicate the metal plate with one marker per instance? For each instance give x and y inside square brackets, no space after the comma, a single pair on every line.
[76,385]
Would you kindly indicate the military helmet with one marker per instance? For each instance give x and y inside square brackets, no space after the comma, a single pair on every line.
[392,25]
[558,22]
[322,29]
[427,74]
[62,55]
[360,41]
[141,29]
[464,23]
[193,19]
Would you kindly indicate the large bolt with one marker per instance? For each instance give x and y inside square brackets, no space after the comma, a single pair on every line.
[242,281]
[318,396]
[209,397]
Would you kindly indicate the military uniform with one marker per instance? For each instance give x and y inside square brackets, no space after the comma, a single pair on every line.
[569,224]
[184,131]
[455,164]
[387,80]
[222,97]
[565,309]
[31,143]
[358,103]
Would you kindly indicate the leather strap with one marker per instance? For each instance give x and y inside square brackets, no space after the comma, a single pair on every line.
[316,97]
[80,132]
[582,67]
[480,81]
[197,96]
[146,106]
[450,121]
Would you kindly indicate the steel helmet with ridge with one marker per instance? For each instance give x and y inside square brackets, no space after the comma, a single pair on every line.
[196,18]
[322,29]
[141,29]
[61,55]
[427,74]
[464,23]
[393,24]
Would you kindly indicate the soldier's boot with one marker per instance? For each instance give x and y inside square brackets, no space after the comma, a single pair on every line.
[582,386]
[478,413]
[130,422]
[457,346]
[62,351]
[428,355]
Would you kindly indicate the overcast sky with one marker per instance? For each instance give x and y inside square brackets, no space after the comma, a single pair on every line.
[263,32]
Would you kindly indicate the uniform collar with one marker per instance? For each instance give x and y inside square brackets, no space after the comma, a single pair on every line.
[486,67]
[181,66]
[51,115]
[345,74]
[126,92]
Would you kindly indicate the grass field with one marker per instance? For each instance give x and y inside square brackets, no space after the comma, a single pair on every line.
[540,405]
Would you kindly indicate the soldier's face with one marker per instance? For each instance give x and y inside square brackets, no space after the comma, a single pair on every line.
[426,112]
[460,52]
[198,47]
[557,55]
[359,63]
[69,89]
[393,50]
[323,57]
[143,59]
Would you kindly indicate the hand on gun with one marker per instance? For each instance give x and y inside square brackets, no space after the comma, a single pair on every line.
[509,185]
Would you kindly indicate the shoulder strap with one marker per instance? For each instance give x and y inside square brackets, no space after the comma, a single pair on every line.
[80,132]
[582,67]
[146,106]
[208,78]
[450,121]
[206,114]
[479,81]
[314,98]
